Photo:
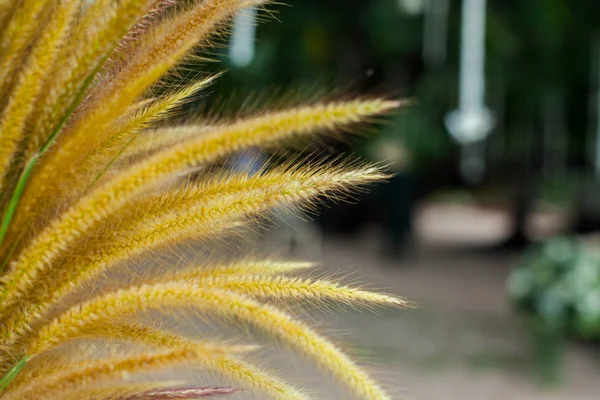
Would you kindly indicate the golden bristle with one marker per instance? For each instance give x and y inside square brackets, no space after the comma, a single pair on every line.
[292,288]
[255,378]
[7,7]
[18,326]
[92,178]
[229,304]
[110,197]
[198,212]
[17,36]
[31,81]
[163,50]
[159,139]
[91,372]
[104,25]
[155,337]
[222,361]
[126,132]
[98,30]
[240,267]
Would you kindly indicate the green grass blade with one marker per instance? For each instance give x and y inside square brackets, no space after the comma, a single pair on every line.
[12,373]
[16,197]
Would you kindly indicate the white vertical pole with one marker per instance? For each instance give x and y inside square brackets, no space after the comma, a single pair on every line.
[472,64]
[472,122]
[241,49]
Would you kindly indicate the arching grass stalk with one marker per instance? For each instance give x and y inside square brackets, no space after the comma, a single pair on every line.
[67,224]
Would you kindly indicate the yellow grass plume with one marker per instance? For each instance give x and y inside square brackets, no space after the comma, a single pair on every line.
[116,392]
[110,197]
[19,325]
[93,372]
[155,337]
[95,174]
[17,36]
[229,304]
[159,139]
[32,79]
[222,358]
[293,288]
[241,267]
[102,157]
[223,361]
[100,28]
[163,50]
[7,7]
[197,212]
[105,24]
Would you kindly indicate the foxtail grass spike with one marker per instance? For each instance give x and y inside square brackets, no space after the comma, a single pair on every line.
[115,194]
[105,179]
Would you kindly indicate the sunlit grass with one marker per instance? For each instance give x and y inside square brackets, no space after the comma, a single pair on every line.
[94,175]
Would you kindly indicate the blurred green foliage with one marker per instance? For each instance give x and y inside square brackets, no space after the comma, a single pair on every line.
[558,284]
[535,49]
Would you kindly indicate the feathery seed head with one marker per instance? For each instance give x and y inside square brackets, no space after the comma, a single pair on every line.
[92,177]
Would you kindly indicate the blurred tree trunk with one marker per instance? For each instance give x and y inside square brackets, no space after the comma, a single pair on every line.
[525,190]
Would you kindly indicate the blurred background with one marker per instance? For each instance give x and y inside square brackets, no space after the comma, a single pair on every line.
[489,222]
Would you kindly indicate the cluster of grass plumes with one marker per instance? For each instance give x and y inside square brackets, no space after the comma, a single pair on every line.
[92,176]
